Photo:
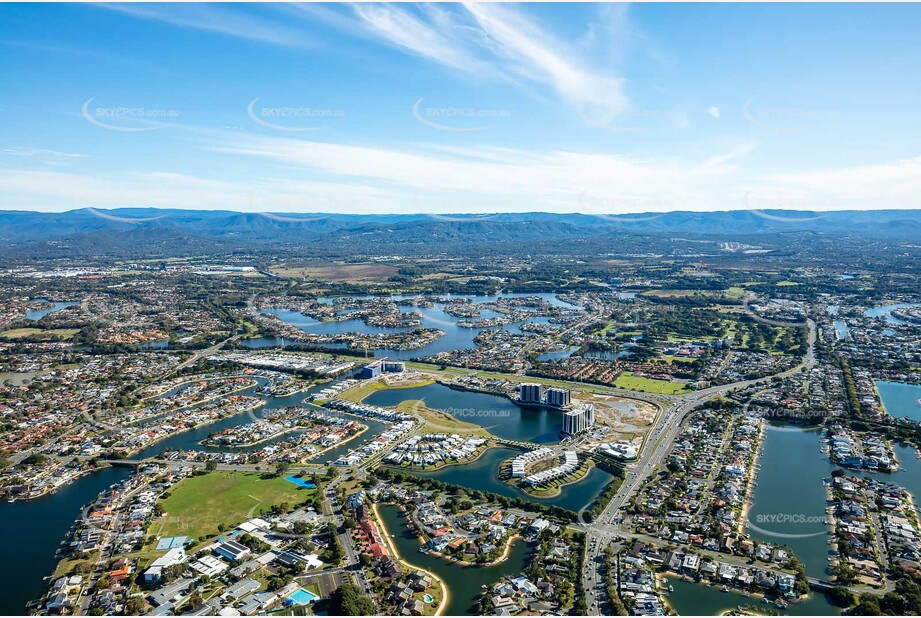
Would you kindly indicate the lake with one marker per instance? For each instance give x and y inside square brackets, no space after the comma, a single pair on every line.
[495,413]
[885,312]
[483,475]
[38,314]
[464,582]
[455,337]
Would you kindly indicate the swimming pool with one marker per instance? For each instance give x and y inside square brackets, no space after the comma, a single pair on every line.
[427,598]
[300,482]
[301,597]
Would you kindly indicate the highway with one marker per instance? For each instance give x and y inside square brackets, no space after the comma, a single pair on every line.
[656,447]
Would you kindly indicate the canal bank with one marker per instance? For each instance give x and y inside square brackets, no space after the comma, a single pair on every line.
[42,524]
[35,530]
[483,475]
[695,599]
[497,414]
[465,583]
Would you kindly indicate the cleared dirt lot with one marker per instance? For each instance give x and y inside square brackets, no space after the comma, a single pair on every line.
[338,273]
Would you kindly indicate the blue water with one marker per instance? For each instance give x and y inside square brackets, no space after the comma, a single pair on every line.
[885,312]
[455,337]
[38,314]
[842,329]
[302,597]
[495,413]
[900,399]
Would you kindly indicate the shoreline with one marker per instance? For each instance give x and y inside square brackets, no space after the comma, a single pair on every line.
[445,591]
[752,477]
[505,553]
[412,468]
[558,489]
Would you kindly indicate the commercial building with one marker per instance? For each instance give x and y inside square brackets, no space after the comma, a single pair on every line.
[391,366]
[170,558]
[558,397]
[381,365]
[579,419]
[530,392]
[370,371]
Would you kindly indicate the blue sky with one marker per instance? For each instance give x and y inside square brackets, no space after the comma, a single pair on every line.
[597,108]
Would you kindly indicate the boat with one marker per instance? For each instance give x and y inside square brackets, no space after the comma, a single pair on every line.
[724,589]
[780,604]
[671,588]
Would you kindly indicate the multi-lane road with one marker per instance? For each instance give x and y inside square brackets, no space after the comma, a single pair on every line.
[656,447]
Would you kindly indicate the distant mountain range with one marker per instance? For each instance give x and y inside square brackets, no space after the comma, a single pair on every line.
[18,226]
[150,231]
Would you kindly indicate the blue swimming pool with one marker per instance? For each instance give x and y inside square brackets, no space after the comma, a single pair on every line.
[301,597]
[300,482]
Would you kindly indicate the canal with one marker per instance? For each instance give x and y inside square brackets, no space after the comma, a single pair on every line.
[788,508]
[483,475]
[35,528]
[900,399]
[465,583]
[695,599]
[495,413]
[455,337]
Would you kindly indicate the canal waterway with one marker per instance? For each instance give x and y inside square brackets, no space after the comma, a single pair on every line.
[900,399]
[35,528]
[455,337]
[495,413]
[696,599]
[465,583]
[483,475]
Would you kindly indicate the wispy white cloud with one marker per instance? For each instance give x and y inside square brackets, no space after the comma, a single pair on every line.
[219,18]
[534,53]
[491,174]
[18,151]
[894,184]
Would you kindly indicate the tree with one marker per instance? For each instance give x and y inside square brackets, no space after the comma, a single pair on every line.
[867,605]
[211,465]
[134,606]
[347,600]
[841,596]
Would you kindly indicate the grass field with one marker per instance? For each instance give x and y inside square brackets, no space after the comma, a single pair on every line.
[53,333]
[636,383]
[364,389]
[199,504]
[437,421]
